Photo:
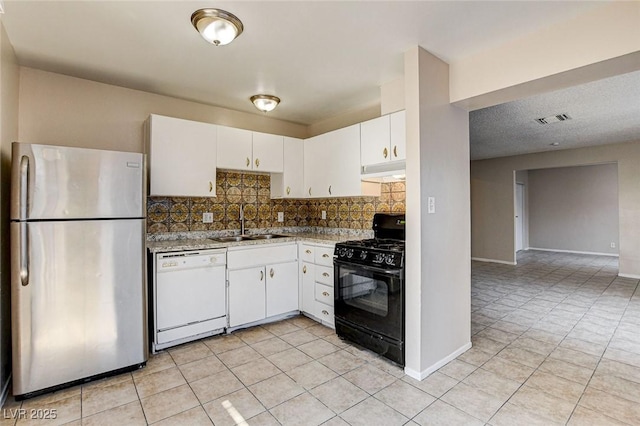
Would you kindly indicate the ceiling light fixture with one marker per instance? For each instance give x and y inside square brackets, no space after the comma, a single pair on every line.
[265,103]
[217,26]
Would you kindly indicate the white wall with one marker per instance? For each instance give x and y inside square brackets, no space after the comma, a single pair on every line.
[438,266]
[492,199]
[9,78]
[608,36]
[574,208]
[60,110]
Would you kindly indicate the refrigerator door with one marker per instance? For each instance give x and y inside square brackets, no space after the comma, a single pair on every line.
[52,182]
[82,310]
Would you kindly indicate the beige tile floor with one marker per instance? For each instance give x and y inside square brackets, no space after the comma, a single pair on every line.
[556,340]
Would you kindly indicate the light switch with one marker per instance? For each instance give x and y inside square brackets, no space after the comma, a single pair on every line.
[324,214]
[207,217]
[280,216]
[431,205]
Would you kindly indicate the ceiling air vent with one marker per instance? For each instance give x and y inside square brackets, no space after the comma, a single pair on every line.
[553,119]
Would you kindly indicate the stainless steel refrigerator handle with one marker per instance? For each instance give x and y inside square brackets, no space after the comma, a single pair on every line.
[24,233]
[24,186]
[24,254]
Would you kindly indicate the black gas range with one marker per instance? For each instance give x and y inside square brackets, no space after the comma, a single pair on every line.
[369,288]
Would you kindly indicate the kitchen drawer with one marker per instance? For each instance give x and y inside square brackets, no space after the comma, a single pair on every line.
[265,254]
[325,313]
[324,275]
[324,256]
[324,294]
[307,253]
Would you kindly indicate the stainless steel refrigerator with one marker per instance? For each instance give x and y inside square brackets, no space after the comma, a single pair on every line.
[78,279]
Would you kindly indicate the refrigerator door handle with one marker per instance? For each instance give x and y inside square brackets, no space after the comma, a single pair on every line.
[24,233]
[24,254]
[24,186]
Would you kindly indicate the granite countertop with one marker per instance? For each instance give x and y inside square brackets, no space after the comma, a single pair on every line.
[167,245]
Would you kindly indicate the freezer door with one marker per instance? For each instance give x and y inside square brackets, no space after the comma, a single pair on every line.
[52,182]
[82,309]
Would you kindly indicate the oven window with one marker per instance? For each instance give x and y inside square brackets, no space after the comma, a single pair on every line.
[364,291]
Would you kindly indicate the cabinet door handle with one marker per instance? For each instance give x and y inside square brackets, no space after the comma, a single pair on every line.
[304,269]
[271,273]
[309,190]
[329,189]
[325,274]
[325,294]
[261,275]
[395,151]
[248,161]
[257,162]
[288,190]
[325,255]
[307,251]
[210,186]
[385,152]
[325,312]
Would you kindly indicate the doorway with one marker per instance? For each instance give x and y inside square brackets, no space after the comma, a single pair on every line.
[519,222]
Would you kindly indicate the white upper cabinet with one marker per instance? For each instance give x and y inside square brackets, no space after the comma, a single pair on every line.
[182,157]
[383,139]
[332,165]
[267,152]
[235,150]
[244,150]
[398,135]
[290,183]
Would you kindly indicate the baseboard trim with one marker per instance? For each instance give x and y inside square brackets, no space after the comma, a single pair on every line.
[594,253]
[5,392]
[632,276]
[421,375]
[504,262]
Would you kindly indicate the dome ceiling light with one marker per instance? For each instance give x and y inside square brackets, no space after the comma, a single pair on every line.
[265,103]
[217,26]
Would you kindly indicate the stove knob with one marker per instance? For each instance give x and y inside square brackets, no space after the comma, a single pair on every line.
[363,255]
[389,259]
[350,253]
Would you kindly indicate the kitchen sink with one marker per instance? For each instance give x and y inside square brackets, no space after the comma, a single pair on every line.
[234,238]
[267,236]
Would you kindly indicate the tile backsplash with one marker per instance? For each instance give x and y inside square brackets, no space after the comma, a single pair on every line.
[179,214]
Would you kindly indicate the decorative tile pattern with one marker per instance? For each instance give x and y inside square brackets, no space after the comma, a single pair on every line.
[184,214]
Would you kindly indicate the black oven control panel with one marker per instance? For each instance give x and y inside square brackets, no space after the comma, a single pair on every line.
[371,256]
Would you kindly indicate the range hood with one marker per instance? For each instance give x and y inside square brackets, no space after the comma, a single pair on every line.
[392,171]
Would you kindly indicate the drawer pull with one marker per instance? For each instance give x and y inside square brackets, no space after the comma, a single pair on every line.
[325,255]
[325,294]
[308,251]
[325,312]
[325,274]
[304,269]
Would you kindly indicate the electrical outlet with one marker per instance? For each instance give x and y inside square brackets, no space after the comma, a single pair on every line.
[280,216]
[207,217]
[431,205]
[324,214]
[613,245]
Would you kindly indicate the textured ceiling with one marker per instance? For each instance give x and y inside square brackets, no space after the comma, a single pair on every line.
[603,112]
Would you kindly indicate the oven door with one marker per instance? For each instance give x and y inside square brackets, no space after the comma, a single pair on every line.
[370,297]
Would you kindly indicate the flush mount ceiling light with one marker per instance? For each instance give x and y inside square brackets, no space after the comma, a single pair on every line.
[265,103]
[217,26]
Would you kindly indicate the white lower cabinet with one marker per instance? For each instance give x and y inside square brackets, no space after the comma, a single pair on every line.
[263,282]
[316,281]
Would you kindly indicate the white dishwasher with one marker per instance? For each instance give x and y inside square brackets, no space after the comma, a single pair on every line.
[189,296]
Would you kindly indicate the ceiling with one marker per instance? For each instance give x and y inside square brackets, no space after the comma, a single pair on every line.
[322,58]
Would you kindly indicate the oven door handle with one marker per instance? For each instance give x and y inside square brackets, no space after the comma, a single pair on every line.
[369,268]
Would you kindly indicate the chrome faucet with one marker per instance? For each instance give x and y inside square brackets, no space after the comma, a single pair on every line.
[241,219]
